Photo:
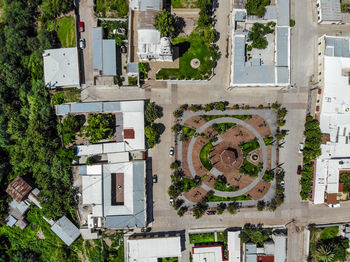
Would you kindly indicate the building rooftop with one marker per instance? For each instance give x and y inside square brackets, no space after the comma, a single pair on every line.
[104,54]
[61,67]
[283,13]
[148,250]
[234,246]
[330,10]
[66,230]
[18,189]
[207,253]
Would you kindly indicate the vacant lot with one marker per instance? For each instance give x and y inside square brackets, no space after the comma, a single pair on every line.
[65,28]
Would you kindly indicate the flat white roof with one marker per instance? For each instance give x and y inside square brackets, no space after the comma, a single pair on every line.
[148,250]
[234,246]
[207,254]
[92,190]
[135,120]
[61,67]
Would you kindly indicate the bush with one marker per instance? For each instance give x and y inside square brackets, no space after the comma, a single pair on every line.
[69,127]
[260,106]
[175,165]
[291,22]
[233,207]
[152,112]
[178,113]
[176,128]
[152,135]
[281,122]
[268,140]
[132,80]
[246,107]
[220,106]
[276,105]
[236,106]
[223,127]
[195,108]
[208,107]
[250,146]
[250,169]
[261,205]
[100,126]
[282,112]
[269,175]
[90,160]
[183,107]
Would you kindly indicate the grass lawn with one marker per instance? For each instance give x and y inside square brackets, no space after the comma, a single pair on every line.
[111,8]
[223,127]
[329,232]
[221,186]
[184,3]
[65,28]
[215,198]
[222,237]
[187,131]
[250,169]
[188,184]
[249,146]
[202,238]
[204,156]
[170,259]
[69,95]
[211,117]
[192,47]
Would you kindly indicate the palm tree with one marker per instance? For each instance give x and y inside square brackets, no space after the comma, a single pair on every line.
[324,253]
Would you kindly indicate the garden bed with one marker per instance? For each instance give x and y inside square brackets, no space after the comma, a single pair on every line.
[211,117]
[250,169]
[215,198]
[204,156]
[249,146]
[202,238]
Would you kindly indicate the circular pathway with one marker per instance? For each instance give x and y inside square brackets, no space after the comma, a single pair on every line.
[250,128]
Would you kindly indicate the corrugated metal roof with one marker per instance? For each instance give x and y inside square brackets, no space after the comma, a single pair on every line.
[337,46]
[62,110]
[66,230]
[282,34]
[283,16]
[21,206]
[330,10]
[109,57]
[138,218]
[111,106]
[240,15]
[97,47]
[280,248]
[250,248]
[271,12]
[18,189]
[251,258]
[11,221]
[282,75]
[86,107]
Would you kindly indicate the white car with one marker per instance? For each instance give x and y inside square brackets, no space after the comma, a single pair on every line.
[171,152]
[82,44]
[171,202]
[300,148]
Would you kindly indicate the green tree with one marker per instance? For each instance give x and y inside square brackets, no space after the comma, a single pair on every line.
[261,205]
[282,112]
[175,165]
[165,23]
[182,211]
[199,210]
[233,207]
[152,112]
[220,208]
[100,126]
[152,135]
[220,106]
[209,107]
[176,128]
[178,113]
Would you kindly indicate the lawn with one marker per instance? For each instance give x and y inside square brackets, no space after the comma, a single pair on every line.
[187,131]
[222,237]
[249,146]
[250,169]
[170,259]
[111,8]
[65,27]
[69,95]
[211,117]
[184,3]
[215,198]
[191,47]
[202,238]
[223,127]
[204,156]
[221,186]
[189,184]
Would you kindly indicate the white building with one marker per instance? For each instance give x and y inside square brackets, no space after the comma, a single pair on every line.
[328,12]
[61,67]
[150,44]
[152,249]
[333,108]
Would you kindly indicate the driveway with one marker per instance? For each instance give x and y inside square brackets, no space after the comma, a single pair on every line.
[87,16]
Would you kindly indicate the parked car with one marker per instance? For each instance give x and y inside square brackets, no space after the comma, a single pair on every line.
[301,148]
[334,205]
[172,150]
[299,170]
[81,26]
[211,212]
[155,179]
[171,202]
[282,184]
[82,44]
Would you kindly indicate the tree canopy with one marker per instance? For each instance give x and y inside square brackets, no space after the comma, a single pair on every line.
[165,23]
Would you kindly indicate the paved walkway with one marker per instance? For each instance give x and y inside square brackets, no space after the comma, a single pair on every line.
[268,115]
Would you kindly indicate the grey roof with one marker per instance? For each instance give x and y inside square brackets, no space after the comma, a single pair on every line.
[22,207]
[250,248]
[330,10]
[138,218]
[283,12]
[97,47]
[240,15]
[282,75]
[86,107]
[271,12]
[282,34]
[336,46]
[109,57]
[66,230]
[150,4]
[62,110]
[11,221]
[111,106]
[133,68]
[251,258]
[280,248]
